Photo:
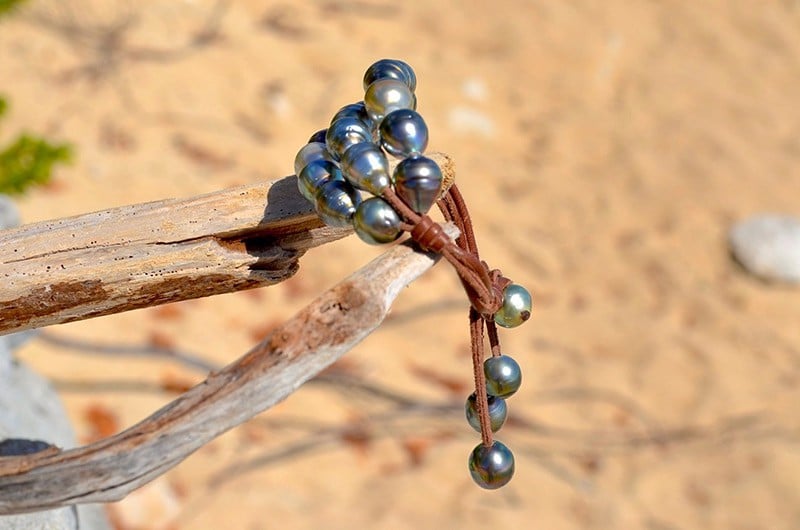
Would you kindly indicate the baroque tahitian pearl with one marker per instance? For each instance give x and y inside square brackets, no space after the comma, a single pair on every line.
[376,222]
[498,410]
[336,203]
[365,166]
[353,110]
[417,181]
[503,376]
[310,152]
[385,95]
[491,467]
[314,175]
[403,132]
[392,69]
[345,132]
[516,307]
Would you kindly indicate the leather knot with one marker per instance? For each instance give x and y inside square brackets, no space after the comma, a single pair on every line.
[429,235]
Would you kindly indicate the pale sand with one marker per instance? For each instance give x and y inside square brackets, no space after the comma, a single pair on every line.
[604,148]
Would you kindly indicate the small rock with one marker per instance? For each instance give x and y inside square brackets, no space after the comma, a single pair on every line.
[9,215]
[768,246]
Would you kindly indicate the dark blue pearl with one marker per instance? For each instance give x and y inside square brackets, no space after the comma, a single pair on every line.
[403,132]
[365,166]
[345,132]
[336,203]
[418,181]
[376,222]
[314,175]
[491,467]
[498,410]
[393,69]
[318,136]
[503,376]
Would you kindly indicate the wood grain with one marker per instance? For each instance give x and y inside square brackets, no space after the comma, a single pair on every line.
[295,352]
[149,254]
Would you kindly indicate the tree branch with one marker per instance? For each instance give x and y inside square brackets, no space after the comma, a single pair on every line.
[149,254]
[295,352]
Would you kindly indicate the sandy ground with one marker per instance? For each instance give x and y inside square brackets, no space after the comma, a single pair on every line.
[604,148]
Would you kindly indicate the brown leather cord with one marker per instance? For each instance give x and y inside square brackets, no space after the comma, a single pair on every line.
[484,287]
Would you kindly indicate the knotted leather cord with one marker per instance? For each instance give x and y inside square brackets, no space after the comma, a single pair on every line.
[483,286]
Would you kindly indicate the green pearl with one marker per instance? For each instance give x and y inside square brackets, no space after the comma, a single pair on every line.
[491,467]
[497,412]
[376,222]
[516,307]
[387,95]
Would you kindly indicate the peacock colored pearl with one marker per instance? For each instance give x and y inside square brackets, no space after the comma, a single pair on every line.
[353,110]
[345,132]
[392,69]
[376,222]
[497,412]
[386,95]
[403,132]
[365,166]
[516,307]
[503,376]
[310,152]
[318,136]
[314,175]
[417,181]
[336,203]
[491,467]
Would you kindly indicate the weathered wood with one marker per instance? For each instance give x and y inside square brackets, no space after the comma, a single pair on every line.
[299,349]
[148,254]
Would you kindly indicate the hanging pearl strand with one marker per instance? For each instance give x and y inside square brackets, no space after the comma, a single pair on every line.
[348,158]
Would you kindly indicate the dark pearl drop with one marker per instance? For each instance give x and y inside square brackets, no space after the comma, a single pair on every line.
[503,376]
[386,95]
[403,133]
[376,222]
[318,136]
[311,152]
[516,307]
[365,166]
[498,411]
[336,203]
[491,467]
[393,69]
[314,175]
[418,181]
[346,132]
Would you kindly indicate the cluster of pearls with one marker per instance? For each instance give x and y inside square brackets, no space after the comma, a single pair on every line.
[349,158]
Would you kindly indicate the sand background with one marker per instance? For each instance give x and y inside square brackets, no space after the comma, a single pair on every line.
[604,149]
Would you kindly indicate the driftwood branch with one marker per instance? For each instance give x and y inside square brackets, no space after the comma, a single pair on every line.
[148,254]
[295,352]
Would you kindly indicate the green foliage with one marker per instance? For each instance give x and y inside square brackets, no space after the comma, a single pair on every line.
[28,160]
[7,6]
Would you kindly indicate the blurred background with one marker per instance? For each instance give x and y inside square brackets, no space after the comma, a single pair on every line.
[604,148]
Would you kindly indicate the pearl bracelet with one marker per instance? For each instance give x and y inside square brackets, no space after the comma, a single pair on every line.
[349,157]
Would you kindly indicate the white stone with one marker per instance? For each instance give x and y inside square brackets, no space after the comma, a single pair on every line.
[768,246]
